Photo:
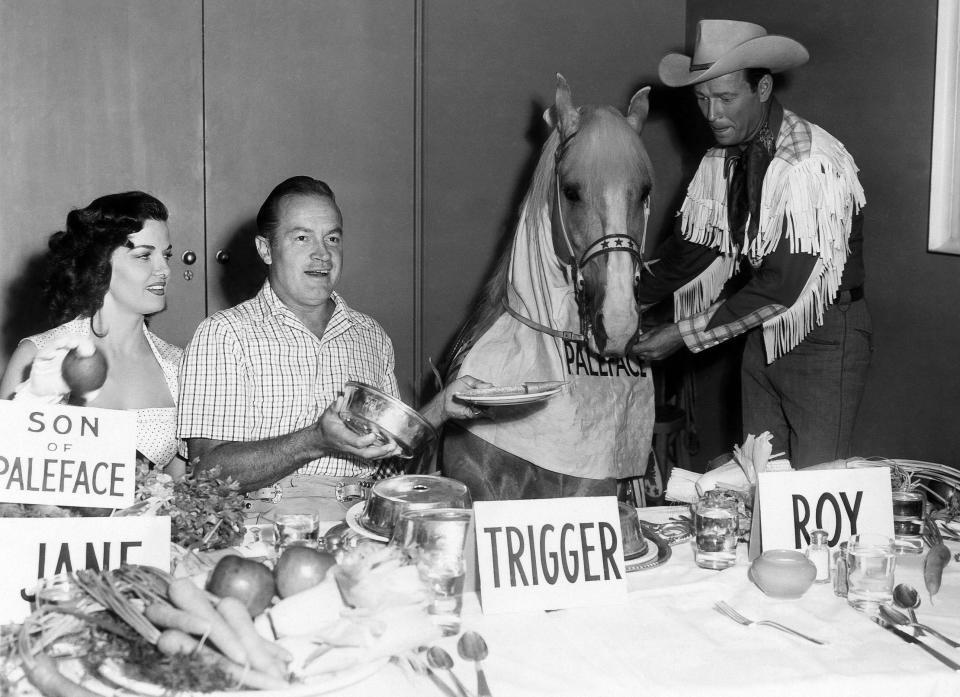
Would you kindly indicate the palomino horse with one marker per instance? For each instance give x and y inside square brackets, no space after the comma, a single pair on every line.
[562,306]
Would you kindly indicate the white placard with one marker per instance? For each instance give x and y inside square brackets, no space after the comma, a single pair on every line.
[546,554]
[38,548]
[67,456]
[843,502]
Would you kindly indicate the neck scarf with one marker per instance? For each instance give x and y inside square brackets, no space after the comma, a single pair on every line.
[745,166]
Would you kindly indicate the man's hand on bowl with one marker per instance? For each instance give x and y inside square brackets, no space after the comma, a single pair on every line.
[339,437]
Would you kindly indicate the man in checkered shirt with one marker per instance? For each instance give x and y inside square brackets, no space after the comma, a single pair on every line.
[260,381]
[777,202]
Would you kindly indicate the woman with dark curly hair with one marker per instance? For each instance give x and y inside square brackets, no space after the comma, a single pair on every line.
[106,273]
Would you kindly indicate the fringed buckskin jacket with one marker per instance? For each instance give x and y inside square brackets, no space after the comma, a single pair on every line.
[802,237]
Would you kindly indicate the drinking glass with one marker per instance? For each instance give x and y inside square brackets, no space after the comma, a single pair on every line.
[405,534]
[438,538]
[871,561]
[715,524]
[908,509]
[296,530]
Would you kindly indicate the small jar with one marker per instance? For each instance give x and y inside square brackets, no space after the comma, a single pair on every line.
[841,572]
[819,553]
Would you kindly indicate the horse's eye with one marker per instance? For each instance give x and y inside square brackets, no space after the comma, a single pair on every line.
[571,193]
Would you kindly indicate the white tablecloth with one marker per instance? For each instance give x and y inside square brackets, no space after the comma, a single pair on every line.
[666,640]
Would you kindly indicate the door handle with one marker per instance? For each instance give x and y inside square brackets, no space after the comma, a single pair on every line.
[189,257]
[222,256]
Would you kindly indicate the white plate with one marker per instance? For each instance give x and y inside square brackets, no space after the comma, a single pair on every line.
[318,685]
[504,399]
[353,520]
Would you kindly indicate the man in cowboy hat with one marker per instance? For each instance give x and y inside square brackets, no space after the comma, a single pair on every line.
[777,200]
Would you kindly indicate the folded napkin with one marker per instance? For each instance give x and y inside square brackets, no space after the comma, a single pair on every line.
[360,638]
[682,485]
[740,473]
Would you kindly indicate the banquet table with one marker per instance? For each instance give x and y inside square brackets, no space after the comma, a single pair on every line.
[666,640]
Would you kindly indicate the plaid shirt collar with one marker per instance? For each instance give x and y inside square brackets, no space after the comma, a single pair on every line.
[272,308]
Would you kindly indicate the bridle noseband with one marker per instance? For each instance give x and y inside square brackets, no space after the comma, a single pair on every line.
[602,246]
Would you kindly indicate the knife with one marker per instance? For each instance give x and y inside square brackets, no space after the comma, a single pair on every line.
[910,639]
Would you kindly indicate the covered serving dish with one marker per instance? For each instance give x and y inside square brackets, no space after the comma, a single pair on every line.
[389,498]
[369,410]
[634,543]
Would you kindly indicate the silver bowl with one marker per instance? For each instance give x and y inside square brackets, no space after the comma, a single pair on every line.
[369,410]
[390,498]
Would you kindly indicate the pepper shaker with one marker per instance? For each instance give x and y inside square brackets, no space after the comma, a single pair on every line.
[841,572]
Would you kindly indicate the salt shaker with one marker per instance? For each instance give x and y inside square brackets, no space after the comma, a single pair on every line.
[819,553]
[841,571]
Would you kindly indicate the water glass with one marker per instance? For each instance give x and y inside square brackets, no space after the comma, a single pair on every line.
[908,509]
[716,526]
[296,530]
[871,561]
[436,541]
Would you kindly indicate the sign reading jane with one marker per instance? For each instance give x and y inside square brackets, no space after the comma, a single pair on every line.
[67,456]
[549,553]
[45,547]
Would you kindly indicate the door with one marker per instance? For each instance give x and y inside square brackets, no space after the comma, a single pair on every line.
[324,89]
[97,97]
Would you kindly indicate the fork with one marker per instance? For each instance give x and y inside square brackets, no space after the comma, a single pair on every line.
[728,611]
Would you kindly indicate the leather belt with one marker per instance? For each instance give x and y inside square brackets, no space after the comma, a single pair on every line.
[347,490]
[850,295]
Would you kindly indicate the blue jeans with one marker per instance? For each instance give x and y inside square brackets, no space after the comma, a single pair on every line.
[809,397]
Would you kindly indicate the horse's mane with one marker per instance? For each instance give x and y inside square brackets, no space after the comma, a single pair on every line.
[490,305]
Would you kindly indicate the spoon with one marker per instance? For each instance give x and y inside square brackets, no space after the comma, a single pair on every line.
[472,647]
[897,617]
[908,598]
[441,660]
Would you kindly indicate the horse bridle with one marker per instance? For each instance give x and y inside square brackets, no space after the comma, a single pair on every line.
[608,244]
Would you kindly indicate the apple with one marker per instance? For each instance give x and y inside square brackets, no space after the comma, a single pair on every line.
[246,580]
[84,374]
[300,568]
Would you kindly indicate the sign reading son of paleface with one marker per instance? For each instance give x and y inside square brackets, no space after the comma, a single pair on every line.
[547,554]
[843,502]
[67,456]
[38,548]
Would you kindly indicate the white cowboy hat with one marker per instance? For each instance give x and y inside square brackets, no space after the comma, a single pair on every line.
[724,46]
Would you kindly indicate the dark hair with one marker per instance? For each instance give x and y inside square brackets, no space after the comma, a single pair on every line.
[78,262]
[754,75]
[269,216]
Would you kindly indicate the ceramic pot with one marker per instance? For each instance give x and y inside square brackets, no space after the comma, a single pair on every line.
[783,573]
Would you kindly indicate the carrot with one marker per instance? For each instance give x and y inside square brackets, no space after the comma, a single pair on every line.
[259,651]
[174,642]
[194,601]
[937,558]
[169,617]
[42,671]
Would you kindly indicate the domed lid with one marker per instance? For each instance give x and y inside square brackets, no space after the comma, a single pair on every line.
[422,488]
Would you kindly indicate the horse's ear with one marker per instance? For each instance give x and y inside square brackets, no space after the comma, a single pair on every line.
[563,115]
[639,108]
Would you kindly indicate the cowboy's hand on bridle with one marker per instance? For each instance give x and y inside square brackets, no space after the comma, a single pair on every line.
[658,343]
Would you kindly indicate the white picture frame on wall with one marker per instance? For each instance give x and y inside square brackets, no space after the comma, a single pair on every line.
[944,230]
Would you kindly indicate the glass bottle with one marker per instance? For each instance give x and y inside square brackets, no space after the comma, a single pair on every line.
[841,571]
[819,553]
